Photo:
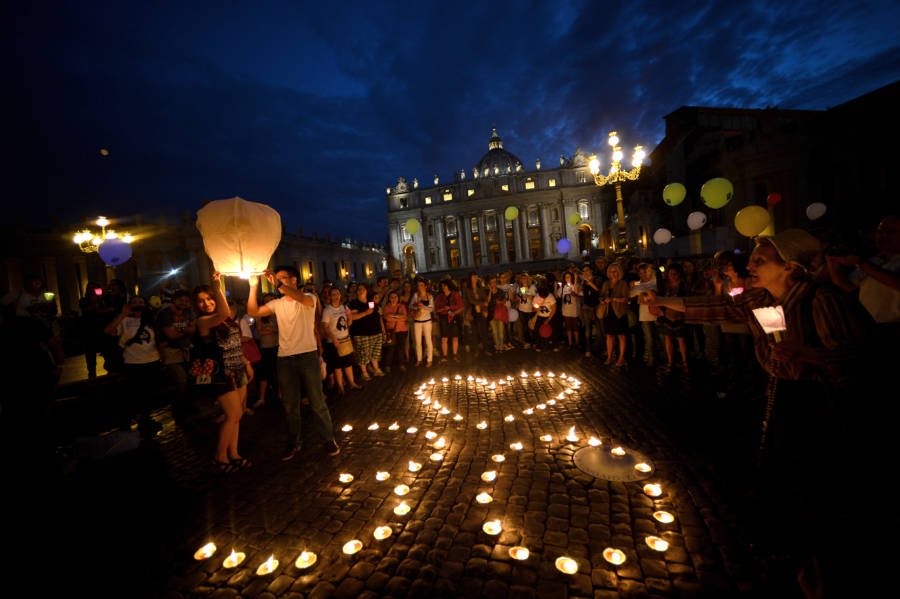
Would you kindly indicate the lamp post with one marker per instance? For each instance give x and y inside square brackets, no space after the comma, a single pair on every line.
[617,176]
[90,242]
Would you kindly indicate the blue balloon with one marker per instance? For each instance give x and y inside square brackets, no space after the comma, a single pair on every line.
[114,252]
[563,246]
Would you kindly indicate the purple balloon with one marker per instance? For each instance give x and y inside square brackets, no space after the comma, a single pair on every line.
[563,246]
[114,252]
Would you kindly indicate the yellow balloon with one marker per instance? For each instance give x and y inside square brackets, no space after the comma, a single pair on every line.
[412,226]
[717,192]
[673,194]
[751,221]
[574,218]
[511,213]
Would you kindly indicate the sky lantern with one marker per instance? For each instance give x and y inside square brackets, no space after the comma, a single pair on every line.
[239,236]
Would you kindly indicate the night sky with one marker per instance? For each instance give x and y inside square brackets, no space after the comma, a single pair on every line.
[316,107]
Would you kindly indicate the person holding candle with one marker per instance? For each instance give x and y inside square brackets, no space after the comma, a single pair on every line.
[448,306]
[422,307]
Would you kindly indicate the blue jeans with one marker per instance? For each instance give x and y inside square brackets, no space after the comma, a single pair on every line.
[302,372]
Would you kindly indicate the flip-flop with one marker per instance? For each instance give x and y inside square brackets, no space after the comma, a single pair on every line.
[241,463]
[225,467]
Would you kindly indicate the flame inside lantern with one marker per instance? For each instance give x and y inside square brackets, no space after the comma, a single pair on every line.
[205,552]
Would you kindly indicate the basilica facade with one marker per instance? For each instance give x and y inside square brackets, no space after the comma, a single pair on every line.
[497,214]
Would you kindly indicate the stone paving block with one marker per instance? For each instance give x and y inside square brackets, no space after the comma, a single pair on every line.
[557,524]
[350,588]
[280,585]
[323,590]
[362,570]
[224,593]
[240,578]
[398,586]
[632,588]
[579,536]
[556,538]
[476,566]
[603,577]
[658,585]
[654,567]
[481,551]
[495,588]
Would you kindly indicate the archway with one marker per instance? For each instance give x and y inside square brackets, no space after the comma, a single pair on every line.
[584,238]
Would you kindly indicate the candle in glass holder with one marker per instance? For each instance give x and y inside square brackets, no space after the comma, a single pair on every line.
[509,418]
[440,443]
[483,498]
[664,517]
[382,475]
[498,457]
[401,490]
[643,467]
[430,435]
[489,476]
[541,406]
[594,442]
[305,560]
[614,556]
[345,477]
[351,547]
[347,428]
[547,438]
[519,553]
[492,527]
[653,489]
[394,427]
[437,457]
[656,543]
[382,532]
[414,466]
[517,446]
[402,509]
[528,411]
[267,567]
[373,426]
[572,437]
[205,552]
[234,559]
[566,565]
[617,451]
[481,425]
[412,430]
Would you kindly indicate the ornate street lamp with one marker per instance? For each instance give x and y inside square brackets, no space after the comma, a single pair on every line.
[89,241]
[617,176]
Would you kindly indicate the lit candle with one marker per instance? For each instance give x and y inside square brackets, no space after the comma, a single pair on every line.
[574,380]
[351,547]
[402,509]
[656,543]
[541,406]
[437,405]
[412,430]
[519,553]
[382,532]
[509,377]
[551,374]
[563,376]
[444,379]
[566,565]
[537,374]
[569,391]
[517,446]
[401,490]
[561,395]
[430,435]
[470,378]
[664,517]
[440,443]
[572,437]
[445,411]
[493,386]
[373,426]
[234,559]
[643,467]
[509,418]
[382,475]
[426,401]
[305,560]
[458,377]
[498,457]
[481,425]
[546,438]
[501,382]
[267,567]
[492,527]
[489,476]
[431,382]
[414,466]
[345,477]
[437,457]
[523,374]
[419,392]
[458,417]
[347,428]
[483,498]
[551,402]
[614,556]
[617,451]
[594,442]
[528,411]
[205,552]
[394,427]
[653,489]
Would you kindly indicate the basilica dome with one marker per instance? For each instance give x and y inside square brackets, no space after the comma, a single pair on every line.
[497,161]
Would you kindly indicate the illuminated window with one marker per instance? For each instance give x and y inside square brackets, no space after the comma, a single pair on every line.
[427,200]
[490,222]
[551,182]
[582,177]
[533,219]
[584,210]
[474,222]
[470,193]
[448,195]
[404,234]
[487,171]
[504,187]
[451,226]
[529,183]
[404,202]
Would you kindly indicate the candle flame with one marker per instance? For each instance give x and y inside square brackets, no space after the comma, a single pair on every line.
[430,435]
[440,443]
[498,457]
[594,442]
[382,532]
[653,489]
[458,417]
[483,498]
[551,402]
[572,436]
[394,427]
[347,428]
[541,406]
[517,446]
[550,374]
[617,451]
[382,475]
[519,553]
[547,438]
[402,509]
[656,543]
[205,552]
[234,559]
[345,477]
[566,565]
[414,466]
[492,527]
[481,425]
[268,566]
[305,560]
[351,547]
[523,374]
[412,430]
[528,411]
[401,490]
[445,411]
[664,517]
[437,457]
[614,556]
[431,382]
[444,379]
[458,377]
[643,467]
[509,418]
[373,426]
[489,476]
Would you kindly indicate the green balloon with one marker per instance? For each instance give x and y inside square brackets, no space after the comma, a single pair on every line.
[412,226]
[574,218]
[511,213]
[717,192]
[673,194]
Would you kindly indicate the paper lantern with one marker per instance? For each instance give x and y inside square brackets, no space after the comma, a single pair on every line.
[696,220]
[513,315]
[413,226]
[773,198]
[563,246]
[751,221]
[114,252]
[813,211]
[239,236]
[673,194]
[574,218]
[717,192]
[662,236]
[511,213]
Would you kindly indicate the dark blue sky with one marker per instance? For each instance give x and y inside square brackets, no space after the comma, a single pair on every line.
[315,107]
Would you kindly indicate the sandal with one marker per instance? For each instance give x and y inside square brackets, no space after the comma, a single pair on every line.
[225,467]
[241,463]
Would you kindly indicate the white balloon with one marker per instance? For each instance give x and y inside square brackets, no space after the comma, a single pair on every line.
[816,210]
[662,236]
[696,220]
[513,315]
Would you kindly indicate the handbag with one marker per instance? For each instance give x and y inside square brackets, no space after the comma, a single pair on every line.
[344,346]
[602,309]
[251,351]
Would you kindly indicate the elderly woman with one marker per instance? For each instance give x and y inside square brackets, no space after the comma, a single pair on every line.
[367,330]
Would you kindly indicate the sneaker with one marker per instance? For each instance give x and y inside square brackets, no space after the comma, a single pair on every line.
[332,448]
[289,453]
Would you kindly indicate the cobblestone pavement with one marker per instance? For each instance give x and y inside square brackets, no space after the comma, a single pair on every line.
[166,500]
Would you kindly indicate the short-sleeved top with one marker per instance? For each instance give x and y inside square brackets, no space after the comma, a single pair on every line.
[569,301]
[644,314]
[395,318]
[524,302]
[367,325]
[137,351]
[296,325]
[543,305]
[170,317]
[337,321]
[590,296]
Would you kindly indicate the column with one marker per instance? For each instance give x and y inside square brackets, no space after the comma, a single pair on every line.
[443,252]
[546,229]
[482,237]
[501,231]
[465,242]
[524,253]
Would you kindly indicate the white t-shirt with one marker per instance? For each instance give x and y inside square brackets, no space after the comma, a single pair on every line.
[246,330]
[644,314]
[143,350]
[337,321]
[296,325]
[571,306]
[525,299]
[543,305]
[882,302]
